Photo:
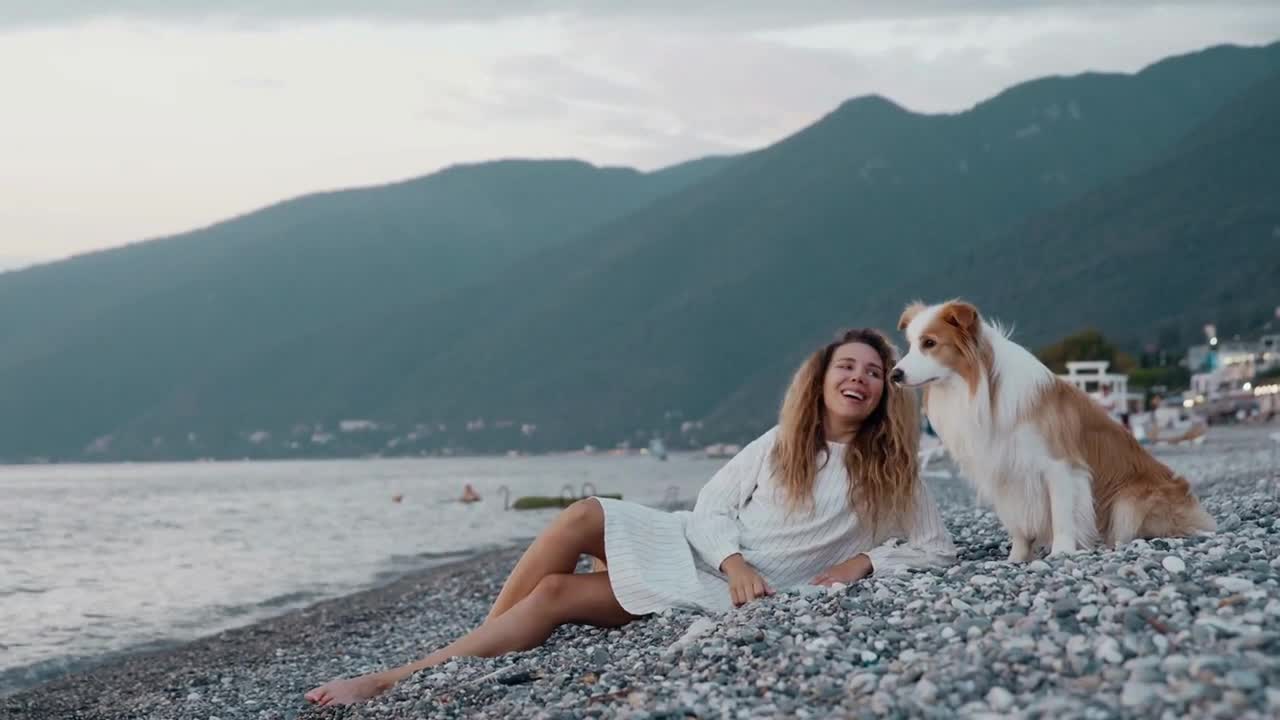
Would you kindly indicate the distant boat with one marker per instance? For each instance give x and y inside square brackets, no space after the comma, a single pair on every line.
[658,449]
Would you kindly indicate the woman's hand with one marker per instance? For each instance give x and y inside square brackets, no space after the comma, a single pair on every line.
[745,584]
[848,572]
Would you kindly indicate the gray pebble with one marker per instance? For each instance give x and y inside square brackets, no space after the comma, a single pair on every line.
[1244,679]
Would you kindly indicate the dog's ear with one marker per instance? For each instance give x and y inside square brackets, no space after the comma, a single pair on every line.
[909,314]
[962,315]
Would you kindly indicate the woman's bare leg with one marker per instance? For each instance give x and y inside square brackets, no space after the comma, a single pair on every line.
[557,599]
[577,531]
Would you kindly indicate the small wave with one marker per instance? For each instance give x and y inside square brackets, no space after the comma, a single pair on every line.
[24,590]
[417,559]
[292,598]
[276,602]
[401,565]
[448,555]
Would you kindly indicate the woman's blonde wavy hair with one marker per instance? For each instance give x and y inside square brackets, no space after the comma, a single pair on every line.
[881,458]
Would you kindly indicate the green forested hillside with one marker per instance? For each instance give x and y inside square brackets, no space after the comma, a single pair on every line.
[613,304]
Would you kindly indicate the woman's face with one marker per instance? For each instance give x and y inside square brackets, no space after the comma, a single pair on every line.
[852,387]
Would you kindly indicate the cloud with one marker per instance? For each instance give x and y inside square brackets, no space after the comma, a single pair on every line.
[156,122]
[734,15]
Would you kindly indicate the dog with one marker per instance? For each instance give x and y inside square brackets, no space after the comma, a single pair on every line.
[1056,469]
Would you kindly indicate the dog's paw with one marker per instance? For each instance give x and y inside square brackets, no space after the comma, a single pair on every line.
[1019,550]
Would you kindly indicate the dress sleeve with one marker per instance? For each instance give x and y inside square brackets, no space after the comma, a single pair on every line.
[712,529]
[928,542]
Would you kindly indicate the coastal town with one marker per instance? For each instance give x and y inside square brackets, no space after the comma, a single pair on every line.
[1231,381]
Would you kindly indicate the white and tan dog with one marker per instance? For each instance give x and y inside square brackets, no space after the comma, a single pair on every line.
[1055,467]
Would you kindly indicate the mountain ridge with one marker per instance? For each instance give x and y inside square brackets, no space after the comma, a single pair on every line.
[690,305]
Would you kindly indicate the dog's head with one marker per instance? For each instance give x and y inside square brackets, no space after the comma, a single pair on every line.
[941,340]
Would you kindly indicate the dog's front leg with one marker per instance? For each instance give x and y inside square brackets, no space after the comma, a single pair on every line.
[1020,551]
[1063,497]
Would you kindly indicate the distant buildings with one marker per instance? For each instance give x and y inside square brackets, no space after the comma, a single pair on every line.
[1225,384]
[1223,365]
[1092,376]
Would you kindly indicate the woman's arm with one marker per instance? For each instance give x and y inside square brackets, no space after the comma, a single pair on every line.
[849,571]
[928,545]
[712,529]
[928,542]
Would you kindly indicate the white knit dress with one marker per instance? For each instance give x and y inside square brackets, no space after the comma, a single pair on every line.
[659,560]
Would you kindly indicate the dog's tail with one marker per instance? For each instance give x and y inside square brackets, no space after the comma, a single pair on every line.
[1190,516]
[1197,519]
[1175,512]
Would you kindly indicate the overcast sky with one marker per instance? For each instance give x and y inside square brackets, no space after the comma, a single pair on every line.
[157,116]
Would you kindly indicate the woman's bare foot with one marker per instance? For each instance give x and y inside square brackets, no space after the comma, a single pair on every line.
[351,690]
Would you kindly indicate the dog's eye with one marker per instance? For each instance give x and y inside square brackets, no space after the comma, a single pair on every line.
[928,343]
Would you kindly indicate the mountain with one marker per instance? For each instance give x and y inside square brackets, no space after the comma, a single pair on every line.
[694,304]
[1193,239]
[698,307]
[102,338]
[404,242]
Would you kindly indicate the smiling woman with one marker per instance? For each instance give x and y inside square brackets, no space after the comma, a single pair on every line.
[824,497]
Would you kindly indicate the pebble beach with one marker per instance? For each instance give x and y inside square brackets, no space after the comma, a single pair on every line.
[1166,628]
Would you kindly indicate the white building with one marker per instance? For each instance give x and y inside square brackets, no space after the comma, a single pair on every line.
[1240,355]
[1091,376]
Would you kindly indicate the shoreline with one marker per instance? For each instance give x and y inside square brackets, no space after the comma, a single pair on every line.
[87,691]
[679,453]
[55,669]
[1179,627]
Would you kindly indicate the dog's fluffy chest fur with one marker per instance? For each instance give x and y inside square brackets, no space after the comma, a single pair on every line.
[998,456]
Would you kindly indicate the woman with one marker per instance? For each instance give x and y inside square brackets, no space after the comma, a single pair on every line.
[821,498]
